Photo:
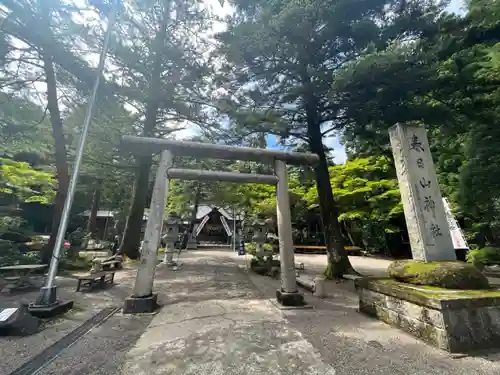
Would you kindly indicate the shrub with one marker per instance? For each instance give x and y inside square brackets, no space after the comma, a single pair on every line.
[484,257]
[16,237]
[268,247]
[10,254]
[250,248]
[75,264]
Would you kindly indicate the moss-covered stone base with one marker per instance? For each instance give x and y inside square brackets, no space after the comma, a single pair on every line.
[449,274]
[452,320]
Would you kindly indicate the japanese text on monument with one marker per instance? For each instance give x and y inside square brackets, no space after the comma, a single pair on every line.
[428,202]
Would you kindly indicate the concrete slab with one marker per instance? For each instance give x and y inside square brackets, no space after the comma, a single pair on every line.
[218,319]
[215,322]
[219,336]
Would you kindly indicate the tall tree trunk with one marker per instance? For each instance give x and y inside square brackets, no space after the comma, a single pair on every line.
[132,234]
[338,262]
[92,223]
[62,169]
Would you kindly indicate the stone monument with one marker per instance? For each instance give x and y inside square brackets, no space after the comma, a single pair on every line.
[425,215]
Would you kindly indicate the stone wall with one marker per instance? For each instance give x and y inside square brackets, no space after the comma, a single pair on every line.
[449,320]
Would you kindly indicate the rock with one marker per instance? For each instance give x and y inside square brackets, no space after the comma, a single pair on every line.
[448,274]
[18,322]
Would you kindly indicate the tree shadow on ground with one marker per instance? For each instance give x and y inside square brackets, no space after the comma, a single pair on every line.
[357,344]
[191,284]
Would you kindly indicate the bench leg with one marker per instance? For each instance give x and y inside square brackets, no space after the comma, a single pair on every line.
[78,285]
[102,281]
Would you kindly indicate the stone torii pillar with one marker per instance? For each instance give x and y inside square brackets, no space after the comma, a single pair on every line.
[143,299]
[288,295]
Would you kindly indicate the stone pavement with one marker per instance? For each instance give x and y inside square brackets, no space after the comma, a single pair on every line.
[217,319]
[214,321]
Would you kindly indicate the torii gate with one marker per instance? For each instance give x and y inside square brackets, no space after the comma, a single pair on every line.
[143,299]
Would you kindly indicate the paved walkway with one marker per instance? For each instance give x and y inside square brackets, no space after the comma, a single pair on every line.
[217,319]
[216,322]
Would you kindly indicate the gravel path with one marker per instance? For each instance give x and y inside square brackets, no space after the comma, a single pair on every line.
[15,351]
[102,350]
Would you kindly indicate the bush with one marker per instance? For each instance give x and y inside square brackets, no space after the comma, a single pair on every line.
[16,237]
[449,275]
[75,264]
[484,257]
[251,248]
[10,254]
[10,223]
[268,247]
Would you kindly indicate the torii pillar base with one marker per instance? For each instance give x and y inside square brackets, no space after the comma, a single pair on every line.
[141,305]
[294,299]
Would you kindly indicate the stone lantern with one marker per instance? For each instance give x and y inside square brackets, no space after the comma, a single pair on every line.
[259,227]
[171,227]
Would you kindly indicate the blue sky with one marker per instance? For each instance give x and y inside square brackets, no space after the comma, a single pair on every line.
[456,6]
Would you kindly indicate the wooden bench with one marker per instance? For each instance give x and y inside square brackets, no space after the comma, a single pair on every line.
[351,250]
[90,280]
[112,262]
[309,249]
[109,264]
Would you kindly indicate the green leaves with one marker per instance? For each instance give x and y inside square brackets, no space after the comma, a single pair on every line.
[293,51]
[25,183]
